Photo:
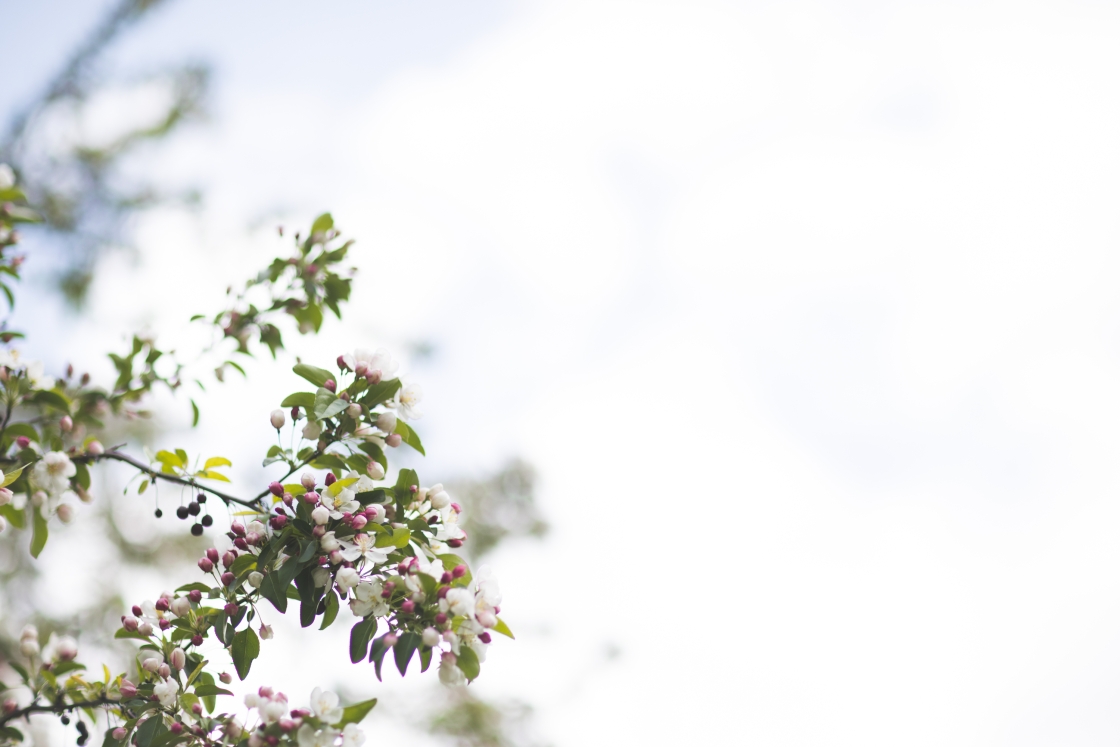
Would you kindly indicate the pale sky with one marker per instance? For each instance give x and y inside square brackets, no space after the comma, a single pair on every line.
[806,313]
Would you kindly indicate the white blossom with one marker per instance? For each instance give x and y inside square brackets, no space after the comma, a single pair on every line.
[352,736]
[459,601]
[328,542]
[311,431]
[364,546]
[324,704]
[320,515]
[256,578]
[347,578]
[52,473]
[449,672]
[309,737]
[380,361]
[367,600]
[338,504]
[167,691]
[407,402]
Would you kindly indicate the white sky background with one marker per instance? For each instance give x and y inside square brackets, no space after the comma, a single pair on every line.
[805,312]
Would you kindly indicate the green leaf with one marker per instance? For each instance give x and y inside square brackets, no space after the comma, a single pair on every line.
[331,612]
[122,633]
[409,436]
[21,429]
[10,477]
[194,413]
[502,628]
[81,474]
[425,658]
[327,404]
[38,532]
[309,595]
[306,400]
[377,655]
[403,650]
[353,714]
[316,376]
[274,589]
[468,662]
[207,690]
[148,731]
[382,391]
[209,474]
[322,224]
[398,538]
[217,461]
[15,516]
[450,561]
[168,458]
[245,648]
[53,399]
[242,564]
[359,638]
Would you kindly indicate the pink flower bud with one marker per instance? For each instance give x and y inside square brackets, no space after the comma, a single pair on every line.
[286,724]
[227,579]
[66,423]
[136,610]
[241,543]
[237,527]
[341,361]
[329,385]
[196,709]
[359,521]
[408,606]
[440,618]
[272,740]
[393,439]
[164,671]
[360,368]
[307,480]
[128,690]
[443,591]
[277,419]
[164,624]
[178,658]
[459,571]
[264,691]
[330,479]
[311,497]
[445,578]
[205,564]
[287,498]
[226,678]
[454,543]
[95,448]
[295,413]
[230,609]
[120,733]
[23,442]
[318,531]
[145,629]
[374,376]
[196,640]
[276,488]
[336,557]
[180,606]
[162,604]
[484,637]
[212,553]
[390,640]
[251,538]
[278,522]
[176,728]
[300,713]
[228,558]
[130,623]
[194,595]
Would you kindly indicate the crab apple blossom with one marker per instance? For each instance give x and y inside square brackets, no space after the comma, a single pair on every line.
[277,418]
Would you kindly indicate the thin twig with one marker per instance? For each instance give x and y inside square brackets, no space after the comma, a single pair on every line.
[156,475]
[53,708]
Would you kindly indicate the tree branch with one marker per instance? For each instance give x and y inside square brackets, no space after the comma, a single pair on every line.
[156,475]
[53,708]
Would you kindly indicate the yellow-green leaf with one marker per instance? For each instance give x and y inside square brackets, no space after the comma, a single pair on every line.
[217,461]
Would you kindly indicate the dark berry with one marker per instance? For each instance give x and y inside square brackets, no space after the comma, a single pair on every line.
[182,512]
[196,530]
[65,720]
[194,508]
[201,498]
[159,513]
[207,520]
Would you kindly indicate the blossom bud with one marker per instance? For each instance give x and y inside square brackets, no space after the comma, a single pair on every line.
[441,618]
[66,423]
[266,632]
[66,648]
[373,376]
[278,522]
[445,578]
[23,442]
[386,422]
[255,740]
[231,609]
[95,448]
[354,410]
[454,543]
[162,604]
[295,413]
[130,623]
[153,663]
[312,430]
[178,658]
[408,606]
[459,571]
[277,419]
[176,727]
[65,513]
[241,543]
[227,579]
[256,578]
[206,564]
[430,636]
[318,531]
[5,496]
[225,677]
[128,690]
[329,385]
[336,557]
[375,470]
[342,365]
[120,733]
[180,606]
[237,527]
[390,640]
[194,595]
[393,439]
[264,691]
[212,554]
[307,480]
[320,515]
[330,479]
[359,521]
[196,709]
[145,629]
[164,624]
[272,740]
[442,593]
[276,489]
[196,639]
[484,637]
[486,619]
[286,724]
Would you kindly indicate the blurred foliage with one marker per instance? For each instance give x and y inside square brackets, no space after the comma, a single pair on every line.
[499,507]
[470,721]
[77,182]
